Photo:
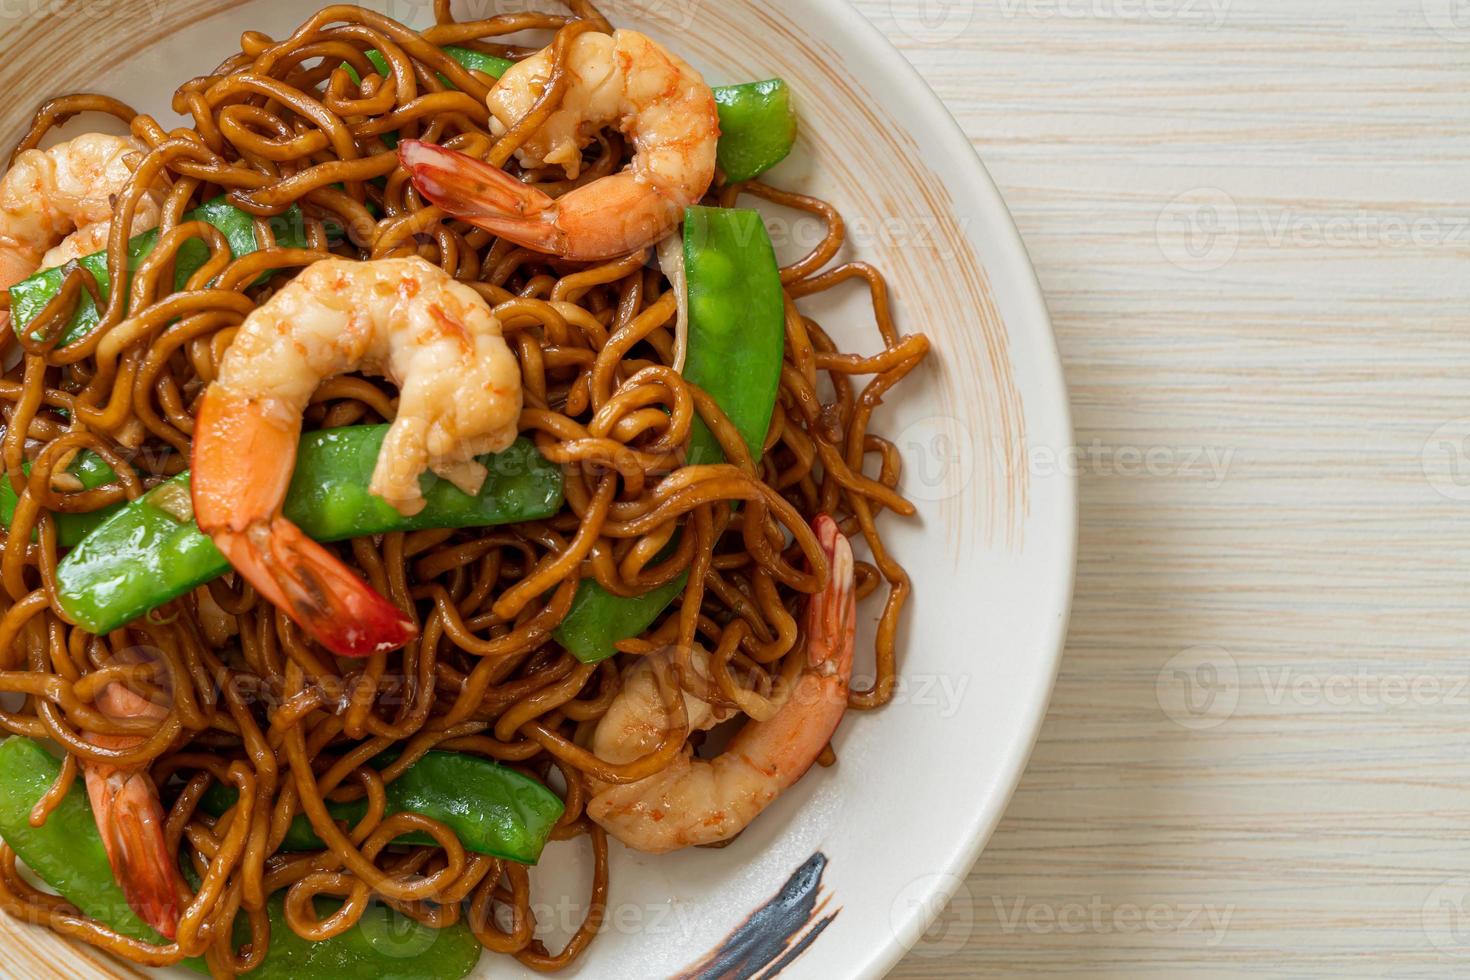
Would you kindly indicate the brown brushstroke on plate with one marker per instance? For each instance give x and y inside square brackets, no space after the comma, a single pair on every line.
[773,936]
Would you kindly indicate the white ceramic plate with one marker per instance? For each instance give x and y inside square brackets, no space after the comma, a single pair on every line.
[983,428]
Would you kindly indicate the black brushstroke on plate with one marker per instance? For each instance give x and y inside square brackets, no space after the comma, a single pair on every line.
[773,935]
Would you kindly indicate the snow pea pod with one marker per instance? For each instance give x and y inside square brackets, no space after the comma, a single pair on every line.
[491,808]
[757,127]
[30,296]
[66,853]
[737,324]
[598,619]
[737,340]
[151,551]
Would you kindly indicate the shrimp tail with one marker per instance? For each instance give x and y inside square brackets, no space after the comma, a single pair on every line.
[485,196]
[238,506]
[831,615]
[130,819]
[817,702]
[788,743]
[338,609]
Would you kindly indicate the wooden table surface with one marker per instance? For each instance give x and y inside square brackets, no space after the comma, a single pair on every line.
[1251,223]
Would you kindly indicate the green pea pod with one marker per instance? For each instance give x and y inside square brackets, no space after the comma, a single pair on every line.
[737,324]
[757,127]
[93,472]
[30,296]
[598,618]
[737,340]
[66,853]
[384,945]
[491,808]
[151,551]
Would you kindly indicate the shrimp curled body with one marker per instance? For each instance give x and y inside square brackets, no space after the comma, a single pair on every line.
[459,396]
[696,801]
[624,80]
[56,204]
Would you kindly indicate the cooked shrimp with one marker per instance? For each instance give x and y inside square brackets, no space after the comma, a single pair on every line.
[84,241]
[130,819]
[459,396]
[698,801]
[68,188]
[623,80]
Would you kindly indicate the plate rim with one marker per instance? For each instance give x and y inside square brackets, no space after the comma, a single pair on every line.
[1046,388]
[952,140]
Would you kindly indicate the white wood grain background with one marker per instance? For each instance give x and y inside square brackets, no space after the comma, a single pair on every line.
[1251,222]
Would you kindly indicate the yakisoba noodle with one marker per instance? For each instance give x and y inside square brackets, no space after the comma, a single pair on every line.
[254,705]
